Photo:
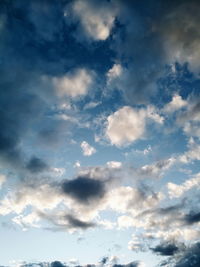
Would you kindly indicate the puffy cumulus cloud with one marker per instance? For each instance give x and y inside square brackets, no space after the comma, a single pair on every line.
[73,84]
[87,149]
[130,200]
[128,124]
[27,221]
[125,126]
[34,195]
[96,18]
[176,103]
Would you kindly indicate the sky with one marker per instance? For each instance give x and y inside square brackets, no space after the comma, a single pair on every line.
[99,133]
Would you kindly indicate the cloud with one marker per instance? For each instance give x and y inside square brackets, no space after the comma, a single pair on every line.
[36,165]
[165,249]
[114,164]
[84,189]
[176,103]
[125,126]
[192,218]
[73,84]
[180,34]
[131,264]
[114,73]
[175,191]
[57,264]
[2,179]
[76,223]
[96,19]
[188,257]
[189,119]
[156,169]
[33,192]
[63,222]
[73,262]
[128,124]
[87,149]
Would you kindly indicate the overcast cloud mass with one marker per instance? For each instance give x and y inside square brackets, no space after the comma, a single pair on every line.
[99,133]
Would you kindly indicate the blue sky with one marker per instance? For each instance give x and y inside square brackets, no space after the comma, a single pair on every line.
[100,133]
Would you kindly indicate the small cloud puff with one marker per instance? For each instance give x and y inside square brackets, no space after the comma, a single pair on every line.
[87,149]
[73,84]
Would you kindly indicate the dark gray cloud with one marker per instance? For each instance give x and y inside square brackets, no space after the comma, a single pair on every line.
[104,260]
[76,223]
[165,249]
[36,165]
[63,222]
[188,257]
[192,218]
[131,264]
[57,264]
[84,189]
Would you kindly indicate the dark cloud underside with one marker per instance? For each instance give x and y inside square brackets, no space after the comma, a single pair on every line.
[84,189]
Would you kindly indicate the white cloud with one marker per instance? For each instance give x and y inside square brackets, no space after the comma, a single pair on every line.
[36,197]
[87,149]
[157,168]
[96,20]
[175,191]
[176,103]
[125,221]
[73,84]
[114,164]
[91,105]
[147,150]
[127,124]
[26,221]
[193,153]
[132,200]
[114,72]
[77,164]
[135,244]
[152,114]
